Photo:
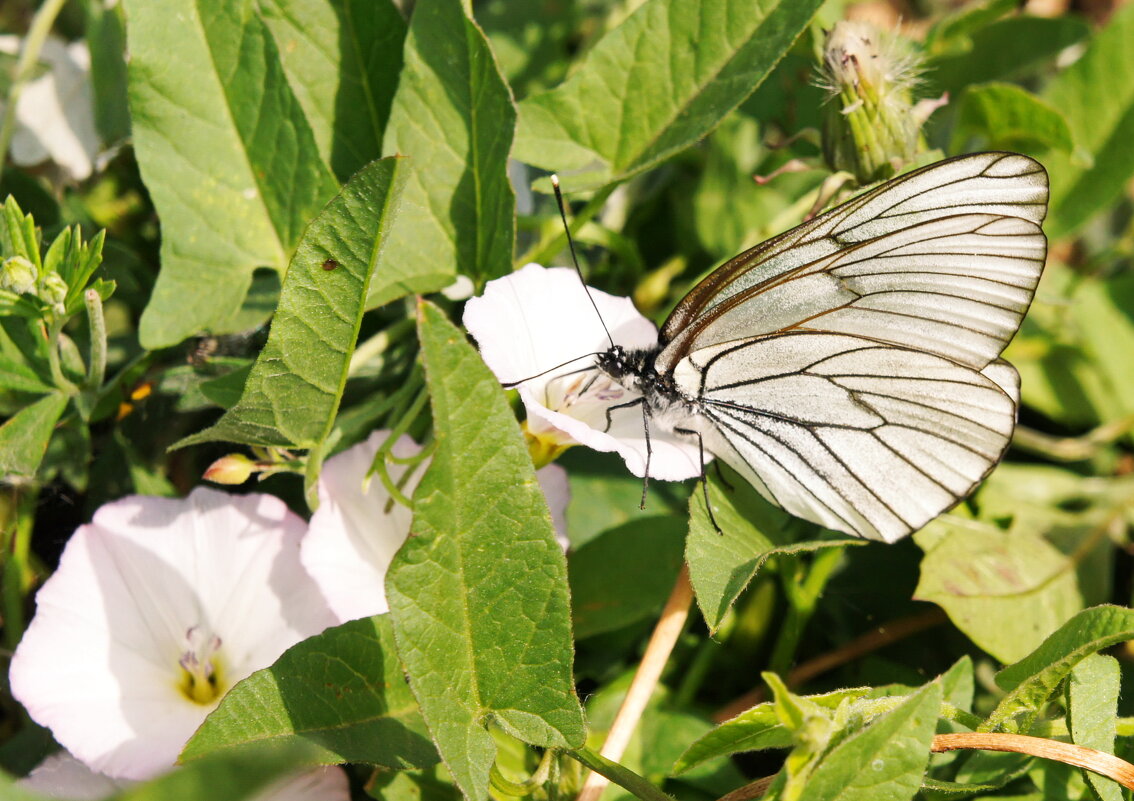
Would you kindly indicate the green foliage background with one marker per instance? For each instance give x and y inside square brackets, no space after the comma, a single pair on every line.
[254,140]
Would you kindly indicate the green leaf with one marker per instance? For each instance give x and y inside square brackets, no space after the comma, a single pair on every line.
[478,593]
[342,692]
[226,154]
[1001,116]
[1103,311]
[655,85]
[342,59]
[883,762]
[1092,709]
[756,729]
[232,776]
[1096,94]
[106,37]
[1006,590]
[453,117]
[294,389]
[24,437]
[1010,48]
[620,775]
[625,575]
[721,564]
[20,377]
[952,32]
[1035,678]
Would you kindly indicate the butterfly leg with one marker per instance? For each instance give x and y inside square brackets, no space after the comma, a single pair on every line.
[704,478]
[646,428]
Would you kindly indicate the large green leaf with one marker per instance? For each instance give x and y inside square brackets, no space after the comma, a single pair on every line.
[341,692]
[293,391]
[226,153]
[478,593]
[656,84]
[722,563]
[1096,94]
[1035,678]
[1002,116]
[1092,712]
[1006,590]
[342,59]
[454,118]
[24,436]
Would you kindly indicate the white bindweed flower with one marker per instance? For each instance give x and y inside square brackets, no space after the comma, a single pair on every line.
[358,527]
[158,607]
[55,113]
[538,320]
[63,777]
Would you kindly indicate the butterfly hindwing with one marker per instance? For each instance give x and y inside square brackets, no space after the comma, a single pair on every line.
[849,433]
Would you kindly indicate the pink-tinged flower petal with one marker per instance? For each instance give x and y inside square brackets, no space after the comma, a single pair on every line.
[66,778]
[553,481]
[152,588]
[356,530]
[537,320]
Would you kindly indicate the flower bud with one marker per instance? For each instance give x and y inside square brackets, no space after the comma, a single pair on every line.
[52,289]
[869,126]
[232,469]
[18,275]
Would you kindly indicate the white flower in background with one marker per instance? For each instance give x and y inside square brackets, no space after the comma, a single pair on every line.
[357,529]
[158,607]
[64,777]
[55,112]
[537,320]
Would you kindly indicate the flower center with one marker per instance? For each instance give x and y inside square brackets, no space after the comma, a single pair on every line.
[201,678]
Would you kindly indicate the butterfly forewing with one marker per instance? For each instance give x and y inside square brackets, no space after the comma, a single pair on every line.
[849,368]
[945,258]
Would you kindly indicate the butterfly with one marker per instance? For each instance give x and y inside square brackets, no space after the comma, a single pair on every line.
[850,368]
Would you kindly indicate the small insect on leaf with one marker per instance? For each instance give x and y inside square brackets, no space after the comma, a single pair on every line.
[330,264]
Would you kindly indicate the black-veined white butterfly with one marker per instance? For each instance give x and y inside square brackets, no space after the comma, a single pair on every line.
[850,368]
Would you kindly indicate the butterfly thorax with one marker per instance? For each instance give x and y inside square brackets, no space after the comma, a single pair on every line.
[635,370]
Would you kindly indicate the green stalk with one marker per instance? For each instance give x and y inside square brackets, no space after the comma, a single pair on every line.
[620,775]
[96,370]
[29,55]
[61,381]
[546,249]
[803,596]
[17,573]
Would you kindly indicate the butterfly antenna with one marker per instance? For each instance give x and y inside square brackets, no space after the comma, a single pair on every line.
[575,258]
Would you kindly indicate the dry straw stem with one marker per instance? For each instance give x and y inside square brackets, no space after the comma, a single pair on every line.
[1099,762]
[668,629]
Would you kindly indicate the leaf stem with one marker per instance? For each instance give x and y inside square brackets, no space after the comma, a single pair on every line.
[29,54]
[664,638]
[622,776]
[61,381]
[802,599]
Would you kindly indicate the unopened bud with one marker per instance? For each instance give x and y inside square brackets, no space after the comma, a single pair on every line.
[232,469]
[52,289]
[869,127]
[18,275]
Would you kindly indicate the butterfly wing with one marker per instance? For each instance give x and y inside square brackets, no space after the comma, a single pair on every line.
[943,259]
[864,437]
